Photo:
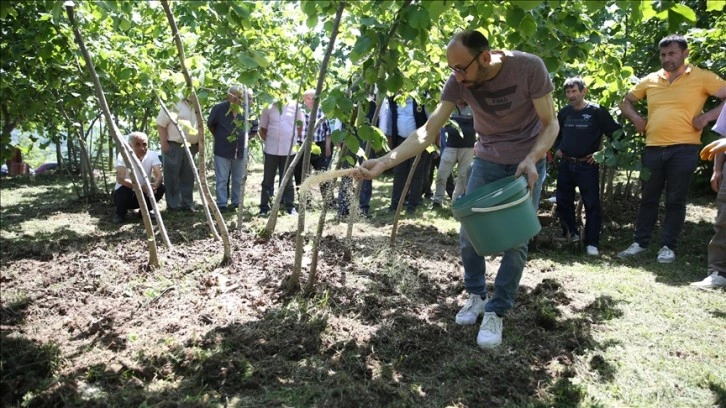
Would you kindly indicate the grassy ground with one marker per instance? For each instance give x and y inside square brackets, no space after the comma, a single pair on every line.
[83,324]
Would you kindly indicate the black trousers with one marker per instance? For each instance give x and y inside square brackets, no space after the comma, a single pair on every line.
[400,174]
[125,199]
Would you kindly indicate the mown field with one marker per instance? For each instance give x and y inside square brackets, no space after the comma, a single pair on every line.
[83,323]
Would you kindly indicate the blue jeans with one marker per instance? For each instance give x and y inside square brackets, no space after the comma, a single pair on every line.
[223,169]
[586,177]
[671,167]
[512,265]
[276,165]
[717,245]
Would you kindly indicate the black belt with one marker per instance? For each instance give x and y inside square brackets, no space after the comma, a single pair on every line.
[672,146]
[576,159]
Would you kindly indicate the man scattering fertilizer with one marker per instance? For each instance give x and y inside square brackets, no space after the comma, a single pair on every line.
[510,94]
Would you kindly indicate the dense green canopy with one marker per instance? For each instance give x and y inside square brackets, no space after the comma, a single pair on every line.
[273,47]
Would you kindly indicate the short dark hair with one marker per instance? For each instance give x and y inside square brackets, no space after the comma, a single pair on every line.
[575,81]
[674,38]
[473,40]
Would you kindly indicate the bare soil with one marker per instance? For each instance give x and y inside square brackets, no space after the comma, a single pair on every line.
[85,323]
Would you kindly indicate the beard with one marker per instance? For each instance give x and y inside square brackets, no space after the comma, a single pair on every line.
[481,73]
[671,66]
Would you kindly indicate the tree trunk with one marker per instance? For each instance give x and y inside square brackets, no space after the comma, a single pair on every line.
[203,188]
[406,186]
[205,203]
[58,155]
[308,139]
[245,162]
[129,157]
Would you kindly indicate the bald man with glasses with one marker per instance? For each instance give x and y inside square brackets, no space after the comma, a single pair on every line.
[510,95]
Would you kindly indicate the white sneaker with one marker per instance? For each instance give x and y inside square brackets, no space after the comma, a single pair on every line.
[473,307]
[490,331]
[712,281]
[666,255]
[592,250]
[633,249]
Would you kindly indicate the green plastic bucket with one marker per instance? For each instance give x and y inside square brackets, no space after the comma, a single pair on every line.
[498,216]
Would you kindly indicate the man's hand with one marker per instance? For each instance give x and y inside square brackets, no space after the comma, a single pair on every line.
[164,146]
[529,167]
[640,124]
[369,169]
[700,122]
[716,179]
[713,148]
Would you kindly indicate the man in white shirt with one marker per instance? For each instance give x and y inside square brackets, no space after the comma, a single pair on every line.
[124,196]
[399,121]
[279,128]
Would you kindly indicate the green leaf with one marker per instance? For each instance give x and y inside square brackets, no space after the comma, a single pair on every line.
[528,26]
[352,142]
[260,58]
[570,20]
[715,5]
[371,75]
[419,18]
[308,7]
[552,63]
[6,8]
[626,72]
[514,16]
[247,60]
[435,8]
[366,132]
[315,149]
[527,4]
[362,47]
[328,104]
[250,77]
[407,32]
[684,11]
[338,136]
[394,82]
[124,24]
[647,11]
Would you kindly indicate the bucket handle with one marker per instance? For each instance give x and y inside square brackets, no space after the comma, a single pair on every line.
[503,206]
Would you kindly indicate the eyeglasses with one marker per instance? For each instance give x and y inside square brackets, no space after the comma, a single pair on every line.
[463,70]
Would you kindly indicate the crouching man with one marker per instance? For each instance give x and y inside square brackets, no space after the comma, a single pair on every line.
[124,196]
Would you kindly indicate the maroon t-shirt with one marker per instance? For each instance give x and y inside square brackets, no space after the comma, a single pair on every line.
[504,115]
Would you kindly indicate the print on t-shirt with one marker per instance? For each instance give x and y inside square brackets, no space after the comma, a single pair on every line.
[495,101]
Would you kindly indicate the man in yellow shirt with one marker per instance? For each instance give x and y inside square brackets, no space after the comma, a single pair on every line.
[676,95]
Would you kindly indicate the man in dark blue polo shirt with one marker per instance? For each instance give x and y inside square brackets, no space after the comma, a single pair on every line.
[226,122]
[582,124]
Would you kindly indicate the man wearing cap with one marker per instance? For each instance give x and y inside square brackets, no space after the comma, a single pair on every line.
[227,123]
